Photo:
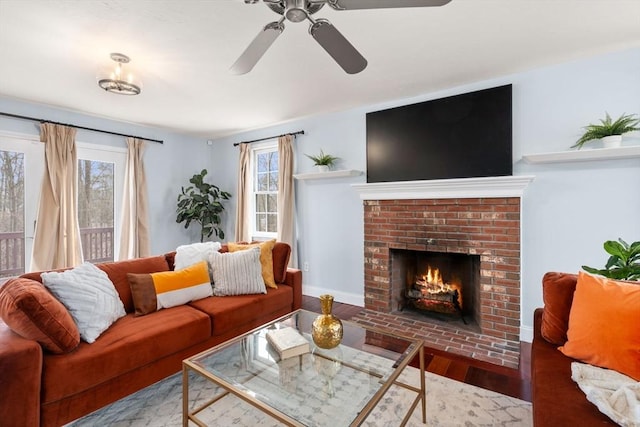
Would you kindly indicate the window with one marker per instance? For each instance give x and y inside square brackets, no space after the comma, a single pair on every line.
[95,209]
[100,183]
[264,166]
[11,213]
[21,170]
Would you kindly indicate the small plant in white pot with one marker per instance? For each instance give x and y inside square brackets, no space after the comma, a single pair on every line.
[609,131]
[323,162]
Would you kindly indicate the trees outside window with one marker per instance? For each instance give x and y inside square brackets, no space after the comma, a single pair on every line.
[96,209]
[265,190]
[11,213]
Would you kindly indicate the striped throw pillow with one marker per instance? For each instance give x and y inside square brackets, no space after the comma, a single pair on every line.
[237,273]
[152,292]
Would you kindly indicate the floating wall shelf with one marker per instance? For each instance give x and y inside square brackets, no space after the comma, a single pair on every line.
[584,155]
[329,174]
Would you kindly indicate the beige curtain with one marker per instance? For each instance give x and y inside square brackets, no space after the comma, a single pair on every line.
[243,228]
[134,237]
[287,196]
[56,243]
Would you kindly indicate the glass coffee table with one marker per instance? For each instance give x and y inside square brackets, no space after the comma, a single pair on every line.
[337,387]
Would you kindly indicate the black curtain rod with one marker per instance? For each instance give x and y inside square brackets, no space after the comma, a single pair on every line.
[33,119]
[300,132]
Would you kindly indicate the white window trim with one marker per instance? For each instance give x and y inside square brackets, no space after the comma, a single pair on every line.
[256,148]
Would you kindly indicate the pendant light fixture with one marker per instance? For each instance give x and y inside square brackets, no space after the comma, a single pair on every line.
[117,80]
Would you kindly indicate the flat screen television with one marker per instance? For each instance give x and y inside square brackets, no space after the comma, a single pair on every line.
[461,136]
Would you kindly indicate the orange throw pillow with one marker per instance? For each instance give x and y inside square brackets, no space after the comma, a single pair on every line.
[604,325]
[557,294]
[266,258]
[32,312]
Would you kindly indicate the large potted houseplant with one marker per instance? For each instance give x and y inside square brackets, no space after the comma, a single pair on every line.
[624,262]
[323,162]
[609,131]
[202,202]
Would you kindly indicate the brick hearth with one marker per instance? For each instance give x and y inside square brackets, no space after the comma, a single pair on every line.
[444,337]
[487,227]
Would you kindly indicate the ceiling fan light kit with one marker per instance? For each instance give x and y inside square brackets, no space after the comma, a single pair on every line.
[327,36]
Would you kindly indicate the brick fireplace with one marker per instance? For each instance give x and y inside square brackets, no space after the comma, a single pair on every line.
[477,217]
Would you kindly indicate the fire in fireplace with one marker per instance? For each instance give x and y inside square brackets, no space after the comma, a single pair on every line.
[429,292]
[437,283]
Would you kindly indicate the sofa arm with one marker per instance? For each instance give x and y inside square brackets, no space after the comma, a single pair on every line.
[537,323]
[20,379]
[293,278]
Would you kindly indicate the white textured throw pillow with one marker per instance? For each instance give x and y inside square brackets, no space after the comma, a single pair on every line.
[187,255]
[237,273]
[90,297]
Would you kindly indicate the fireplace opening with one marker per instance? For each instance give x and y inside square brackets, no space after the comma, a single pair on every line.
[437,285]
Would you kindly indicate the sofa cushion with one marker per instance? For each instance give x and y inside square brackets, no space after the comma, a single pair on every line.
[556,398]
[237,273]
[266,258]
[132,342]
[230,312]
[90,297]
[557,293]
[30,310]
[165,289]
[603,324]
[117,272]
[281,253]
[187,255]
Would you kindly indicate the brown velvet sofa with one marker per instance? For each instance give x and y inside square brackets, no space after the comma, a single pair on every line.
[556,398]
[38,388]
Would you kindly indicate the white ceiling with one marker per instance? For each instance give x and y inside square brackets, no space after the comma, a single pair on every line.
[51,51]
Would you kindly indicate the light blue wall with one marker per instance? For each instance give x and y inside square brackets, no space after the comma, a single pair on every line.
[568,210]
[168,166]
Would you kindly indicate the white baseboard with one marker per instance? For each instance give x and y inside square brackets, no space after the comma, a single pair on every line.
[343,297]
[526,333]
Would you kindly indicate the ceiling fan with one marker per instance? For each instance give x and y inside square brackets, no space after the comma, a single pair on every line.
[321,30]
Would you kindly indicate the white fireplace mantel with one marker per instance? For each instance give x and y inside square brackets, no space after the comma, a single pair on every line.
[501,186]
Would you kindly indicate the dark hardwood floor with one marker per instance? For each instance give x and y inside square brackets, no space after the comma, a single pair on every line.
[512,382]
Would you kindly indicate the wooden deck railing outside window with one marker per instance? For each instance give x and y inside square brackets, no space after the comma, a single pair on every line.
[97,246]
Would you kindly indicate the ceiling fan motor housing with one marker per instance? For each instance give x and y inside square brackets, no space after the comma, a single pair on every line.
[293,10]
[328,36]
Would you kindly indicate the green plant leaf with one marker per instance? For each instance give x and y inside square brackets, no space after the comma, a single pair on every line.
[323,159]
[200,203]
[607,127]
[616,249]
[624,262]
[595,271]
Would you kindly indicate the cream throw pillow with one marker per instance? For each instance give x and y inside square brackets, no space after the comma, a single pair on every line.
[237,273]
[266,258]
[90,297]
[187,255]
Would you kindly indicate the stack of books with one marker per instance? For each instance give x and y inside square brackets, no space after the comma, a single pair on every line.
[288,342]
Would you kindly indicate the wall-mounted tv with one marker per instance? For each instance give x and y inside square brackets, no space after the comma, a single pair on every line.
[461,136]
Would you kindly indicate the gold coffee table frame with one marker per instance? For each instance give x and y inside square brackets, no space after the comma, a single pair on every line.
[415,348]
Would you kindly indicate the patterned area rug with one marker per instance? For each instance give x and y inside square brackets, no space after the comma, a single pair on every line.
[449,403]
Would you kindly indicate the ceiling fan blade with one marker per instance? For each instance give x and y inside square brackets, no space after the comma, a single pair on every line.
[257,48]
[337,46]
[383,4]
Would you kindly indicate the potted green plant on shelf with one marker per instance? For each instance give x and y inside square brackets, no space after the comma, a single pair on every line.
[201,202]
[323,162]
[608,130]
[624,262]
